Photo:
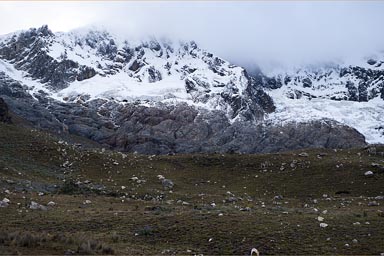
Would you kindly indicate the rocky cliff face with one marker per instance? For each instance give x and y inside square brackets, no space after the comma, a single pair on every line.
[335,82]
[351,93]
[151,96]
[147,70]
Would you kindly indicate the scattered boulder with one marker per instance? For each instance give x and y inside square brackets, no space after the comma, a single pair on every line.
[368,174]
[87,202]
[304,154]
[245,209]
[231,199]
[51,203]
[167,183]
[371,62]
[373,203]
[323,225]
[37,206]
[4,203]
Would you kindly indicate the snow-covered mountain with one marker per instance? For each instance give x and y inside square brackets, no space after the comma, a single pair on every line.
[351,93]
[162,96]
[97,65]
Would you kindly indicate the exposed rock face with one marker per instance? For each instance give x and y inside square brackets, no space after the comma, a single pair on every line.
[162,129]
[28,51]
[336,82]
[196,102]
[4,115]
[58,60]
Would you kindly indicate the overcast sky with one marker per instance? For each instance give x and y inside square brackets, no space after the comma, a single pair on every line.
[287,31]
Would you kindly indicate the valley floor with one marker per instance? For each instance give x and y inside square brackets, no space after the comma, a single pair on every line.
[95,201]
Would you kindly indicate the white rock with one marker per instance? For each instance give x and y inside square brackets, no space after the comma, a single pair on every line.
[304,154]
[320,218]
[123,187]
[37,206]
[323,225]
[51,203]
[3,204]
[368,173]
[87,202]
[6,200]
[255,251]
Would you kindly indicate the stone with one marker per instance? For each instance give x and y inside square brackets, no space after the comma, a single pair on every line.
[371,62]
[36,206]
[51,203]
[368,174]
[304,154]
[167,183]
[3,204]
[323,225]
[373,203]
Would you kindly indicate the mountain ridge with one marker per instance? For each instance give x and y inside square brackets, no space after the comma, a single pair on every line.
[152,97]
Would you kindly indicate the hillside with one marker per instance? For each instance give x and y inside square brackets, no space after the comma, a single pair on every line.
[108,202]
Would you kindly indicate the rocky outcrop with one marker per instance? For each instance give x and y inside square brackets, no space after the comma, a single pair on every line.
[336,82]
[163,128]
[28,51]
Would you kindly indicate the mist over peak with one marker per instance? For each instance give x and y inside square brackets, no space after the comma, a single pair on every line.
[269,34]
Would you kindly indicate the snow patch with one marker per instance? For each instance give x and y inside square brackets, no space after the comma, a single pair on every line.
[366,117]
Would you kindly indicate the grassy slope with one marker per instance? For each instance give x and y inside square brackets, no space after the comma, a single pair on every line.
[134,221]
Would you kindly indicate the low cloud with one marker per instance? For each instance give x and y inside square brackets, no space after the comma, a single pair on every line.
[243,32]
